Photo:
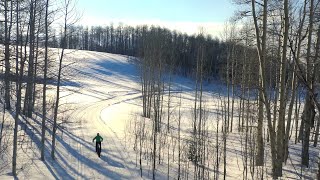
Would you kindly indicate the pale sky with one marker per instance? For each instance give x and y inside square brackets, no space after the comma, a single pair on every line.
[186,16]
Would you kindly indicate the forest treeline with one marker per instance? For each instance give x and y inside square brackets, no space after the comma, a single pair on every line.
[269,63]
[178,50]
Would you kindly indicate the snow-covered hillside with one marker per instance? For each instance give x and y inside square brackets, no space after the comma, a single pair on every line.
[101,94]
[97,91]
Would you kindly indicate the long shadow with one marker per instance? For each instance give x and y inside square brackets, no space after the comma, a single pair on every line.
[89,162]
[68,82]
[70,135]
[92,164]
[119,68]
[302,176]
[61,170]
[91,147]
[94,76]
[108,65]
[32,133]
[112,162]
[82,142]
[39,80]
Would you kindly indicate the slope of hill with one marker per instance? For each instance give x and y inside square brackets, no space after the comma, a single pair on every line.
[101,94]
[93,82]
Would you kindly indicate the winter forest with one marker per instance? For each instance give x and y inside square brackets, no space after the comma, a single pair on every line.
[169,105]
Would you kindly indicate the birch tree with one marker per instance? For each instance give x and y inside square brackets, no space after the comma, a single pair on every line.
[44,89]
[69,17]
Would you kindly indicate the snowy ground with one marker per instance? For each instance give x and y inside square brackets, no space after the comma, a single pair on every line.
[98,90]
[102,93]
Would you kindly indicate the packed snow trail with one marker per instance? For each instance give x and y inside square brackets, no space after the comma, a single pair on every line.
[103,83]
[114,163]
[93,84]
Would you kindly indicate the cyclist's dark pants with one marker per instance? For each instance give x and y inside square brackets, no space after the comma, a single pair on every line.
[98,145]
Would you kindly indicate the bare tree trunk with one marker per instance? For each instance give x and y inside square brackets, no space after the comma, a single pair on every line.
[225,143]
[296,115]
[64,39]
[18,103]
[34,78]
[308,114]
[296,55]
[195,120]
[233,84]
[179,140]
[261,46]
[259,139]
[2,126]
[318,173]
[292,100]
[29,90]
[154,150]
[261,51]
[7,26]
[282,97]
[44,90]
[316,67]
[216,172]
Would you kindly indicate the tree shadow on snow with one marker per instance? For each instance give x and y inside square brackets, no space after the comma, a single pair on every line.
[62,167]
[106,157]
[110,161]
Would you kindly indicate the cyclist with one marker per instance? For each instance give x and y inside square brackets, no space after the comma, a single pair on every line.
[98,139]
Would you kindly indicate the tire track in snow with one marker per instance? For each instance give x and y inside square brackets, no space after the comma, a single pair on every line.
[93,111]
[79,115]
[112,134]
[90,118]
